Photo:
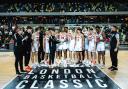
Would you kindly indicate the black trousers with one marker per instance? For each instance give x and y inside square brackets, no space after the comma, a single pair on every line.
[114,58]
[41,54]
[18,60]
[27,55]
[52,56]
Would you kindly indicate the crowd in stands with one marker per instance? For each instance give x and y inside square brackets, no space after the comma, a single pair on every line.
[63,19]
[64,7]
[6,35]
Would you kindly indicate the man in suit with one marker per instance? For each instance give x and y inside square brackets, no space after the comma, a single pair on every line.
[40,49]
[18,50]
[52,45]
[27,43]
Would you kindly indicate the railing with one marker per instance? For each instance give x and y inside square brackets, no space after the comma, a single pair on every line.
[69,25]
[61,13]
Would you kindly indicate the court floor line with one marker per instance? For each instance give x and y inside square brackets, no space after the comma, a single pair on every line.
[9,82]
[110,78]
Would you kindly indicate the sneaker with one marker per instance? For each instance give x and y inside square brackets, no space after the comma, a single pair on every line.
[18,73]
[50,66]
[42,62]
[110,67]
[23,71]
[28,68]
[89,62]
[98,65]
[39,65]
[114,68]
[102,66]
[78,62]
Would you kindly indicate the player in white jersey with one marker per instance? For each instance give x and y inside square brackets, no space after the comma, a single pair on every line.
[79,44]
[92,46]
[63,44]
[100,46]
[85,32]
[71,44]
[58,48]
[35,45]
[46,46]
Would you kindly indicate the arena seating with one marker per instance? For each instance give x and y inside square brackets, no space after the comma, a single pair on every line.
[64,7]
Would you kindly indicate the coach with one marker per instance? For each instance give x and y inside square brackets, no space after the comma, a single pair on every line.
[41,52]
[18,51]
[27,43]
[114,45]
[52,45]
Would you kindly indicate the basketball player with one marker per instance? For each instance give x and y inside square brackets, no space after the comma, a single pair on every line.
[65,43]
[85,32]
[92,46]
[58,48]
[71,45]
[35,45]
[100,39]
[59,45]
[46,46]
[79,44]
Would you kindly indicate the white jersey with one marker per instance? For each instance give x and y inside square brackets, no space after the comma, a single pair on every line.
[63,44]
[100,44]
[46,41]
[71,42]
[78,43]
[35,42]
[57,45]
[86,41]
[92,40]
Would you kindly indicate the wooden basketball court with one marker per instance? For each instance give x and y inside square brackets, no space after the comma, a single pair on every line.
[7,72]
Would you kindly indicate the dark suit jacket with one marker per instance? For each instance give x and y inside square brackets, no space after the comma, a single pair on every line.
[52,43]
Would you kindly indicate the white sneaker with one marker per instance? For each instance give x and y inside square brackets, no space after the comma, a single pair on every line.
[92,64]
[98,65]
[102,66]
[39,65]
[89,62]
[84,61]
[42,61]
[65,63]
[34,66]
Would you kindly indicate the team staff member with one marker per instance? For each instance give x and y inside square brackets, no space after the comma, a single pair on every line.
[52,45]
[40,49]
[18,50]
[27,42]
[114,45]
